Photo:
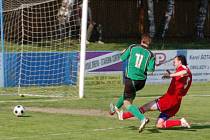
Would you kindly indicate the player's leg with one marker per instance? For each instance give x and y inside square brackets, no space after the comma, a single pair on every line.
[160,104]
[171,123]
[168,108]
[99,31]
[129,94]
[151,106]
[135,111]
[115,108]
[160,123]
[132,87]
[163,122]
[184,123]
[89,31]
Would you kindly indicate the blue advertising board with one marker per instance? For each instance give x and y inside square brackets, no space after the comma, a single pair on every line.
[41,68]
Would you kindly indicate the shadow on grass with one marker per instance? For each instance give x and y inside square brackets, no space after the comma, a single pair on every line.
[30,98]
[206,126]
[179,128]
[193,128]
[150,129]
[24,116]
[133,128]
[153,130]
[156,130]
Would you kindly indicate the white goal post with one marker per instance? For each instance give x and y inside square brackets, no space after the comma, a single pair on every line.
[83,47]
[2,44]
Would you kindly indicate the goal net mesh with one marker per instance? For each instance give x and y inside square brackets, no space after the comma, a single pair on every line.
[41,50]
[39,36]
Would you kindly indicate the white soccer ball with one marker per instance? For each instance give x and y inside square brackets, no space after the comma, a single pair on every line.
[19,110]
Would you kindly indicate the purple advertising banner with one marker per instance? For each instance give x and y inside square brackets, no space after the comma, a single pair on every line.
[106,61]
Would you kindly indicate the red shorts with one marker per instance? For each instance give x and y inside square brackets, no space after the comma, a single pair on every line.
[169,105]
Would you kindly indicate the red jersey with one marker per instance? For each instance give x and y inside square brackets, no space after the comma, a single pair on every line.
[180,85]
[170,102]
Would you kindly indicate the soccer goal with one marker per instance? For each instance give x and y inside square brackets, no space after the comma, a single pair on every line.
[40,47]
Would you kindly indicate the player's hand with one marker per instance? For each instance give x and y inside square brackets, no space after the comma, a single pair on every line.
[150,73]
[123,51]
[168,71]
[166,75]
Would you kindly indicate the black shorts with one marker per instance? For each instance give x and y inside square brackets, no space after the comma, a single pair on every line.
[131,87]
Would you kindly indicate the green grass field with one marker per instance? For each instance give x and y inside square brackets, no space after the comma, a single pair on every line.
[73,45]
[87,119]
[68,118]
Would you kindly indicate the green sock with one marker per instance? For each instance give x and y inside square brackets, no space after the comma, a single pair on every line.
[135,111]
[120,102]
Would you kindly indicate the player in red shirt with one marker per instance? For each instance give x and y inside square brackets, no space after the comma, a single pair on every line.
[170,102]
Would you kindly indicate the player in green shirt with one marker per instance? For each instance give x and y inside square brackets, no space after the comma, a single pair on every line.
[140,61]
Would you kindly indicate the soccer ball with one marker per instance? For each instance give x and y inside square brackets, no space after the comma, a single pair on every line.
[19,110]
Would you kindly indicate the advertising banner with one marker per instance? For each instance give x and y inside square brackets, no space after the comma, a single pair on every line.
[199,63]
[106,61]
[109,62]
[163,62]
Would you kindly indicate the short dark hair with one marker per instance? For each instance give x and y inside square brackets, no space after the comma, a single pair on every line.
[146,39]
[183,59]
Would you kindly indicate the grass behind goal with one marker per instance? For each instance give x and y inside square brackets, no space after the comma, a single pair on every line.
[92,81]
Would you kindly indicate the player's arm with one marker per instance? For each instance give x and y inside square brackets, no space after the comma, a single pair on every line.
[151,65]
[180,73]
[125,54]
[168,74]
[90,17]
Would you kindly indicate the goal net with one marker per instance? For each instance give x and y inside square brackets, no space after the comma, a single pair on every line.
[41,55]
[40,39]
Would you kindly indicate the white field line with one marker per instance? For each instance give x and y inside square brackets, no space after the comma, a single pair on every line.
[35,100]
[34,95]
[75,98]
[82,131]
[200,95]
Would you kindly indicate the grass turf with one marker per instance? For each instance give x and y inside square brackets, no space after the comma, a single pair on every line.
[62,126]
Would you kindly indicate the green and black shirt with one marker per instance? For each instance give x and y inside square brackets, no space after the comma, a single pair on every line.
[140,61]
